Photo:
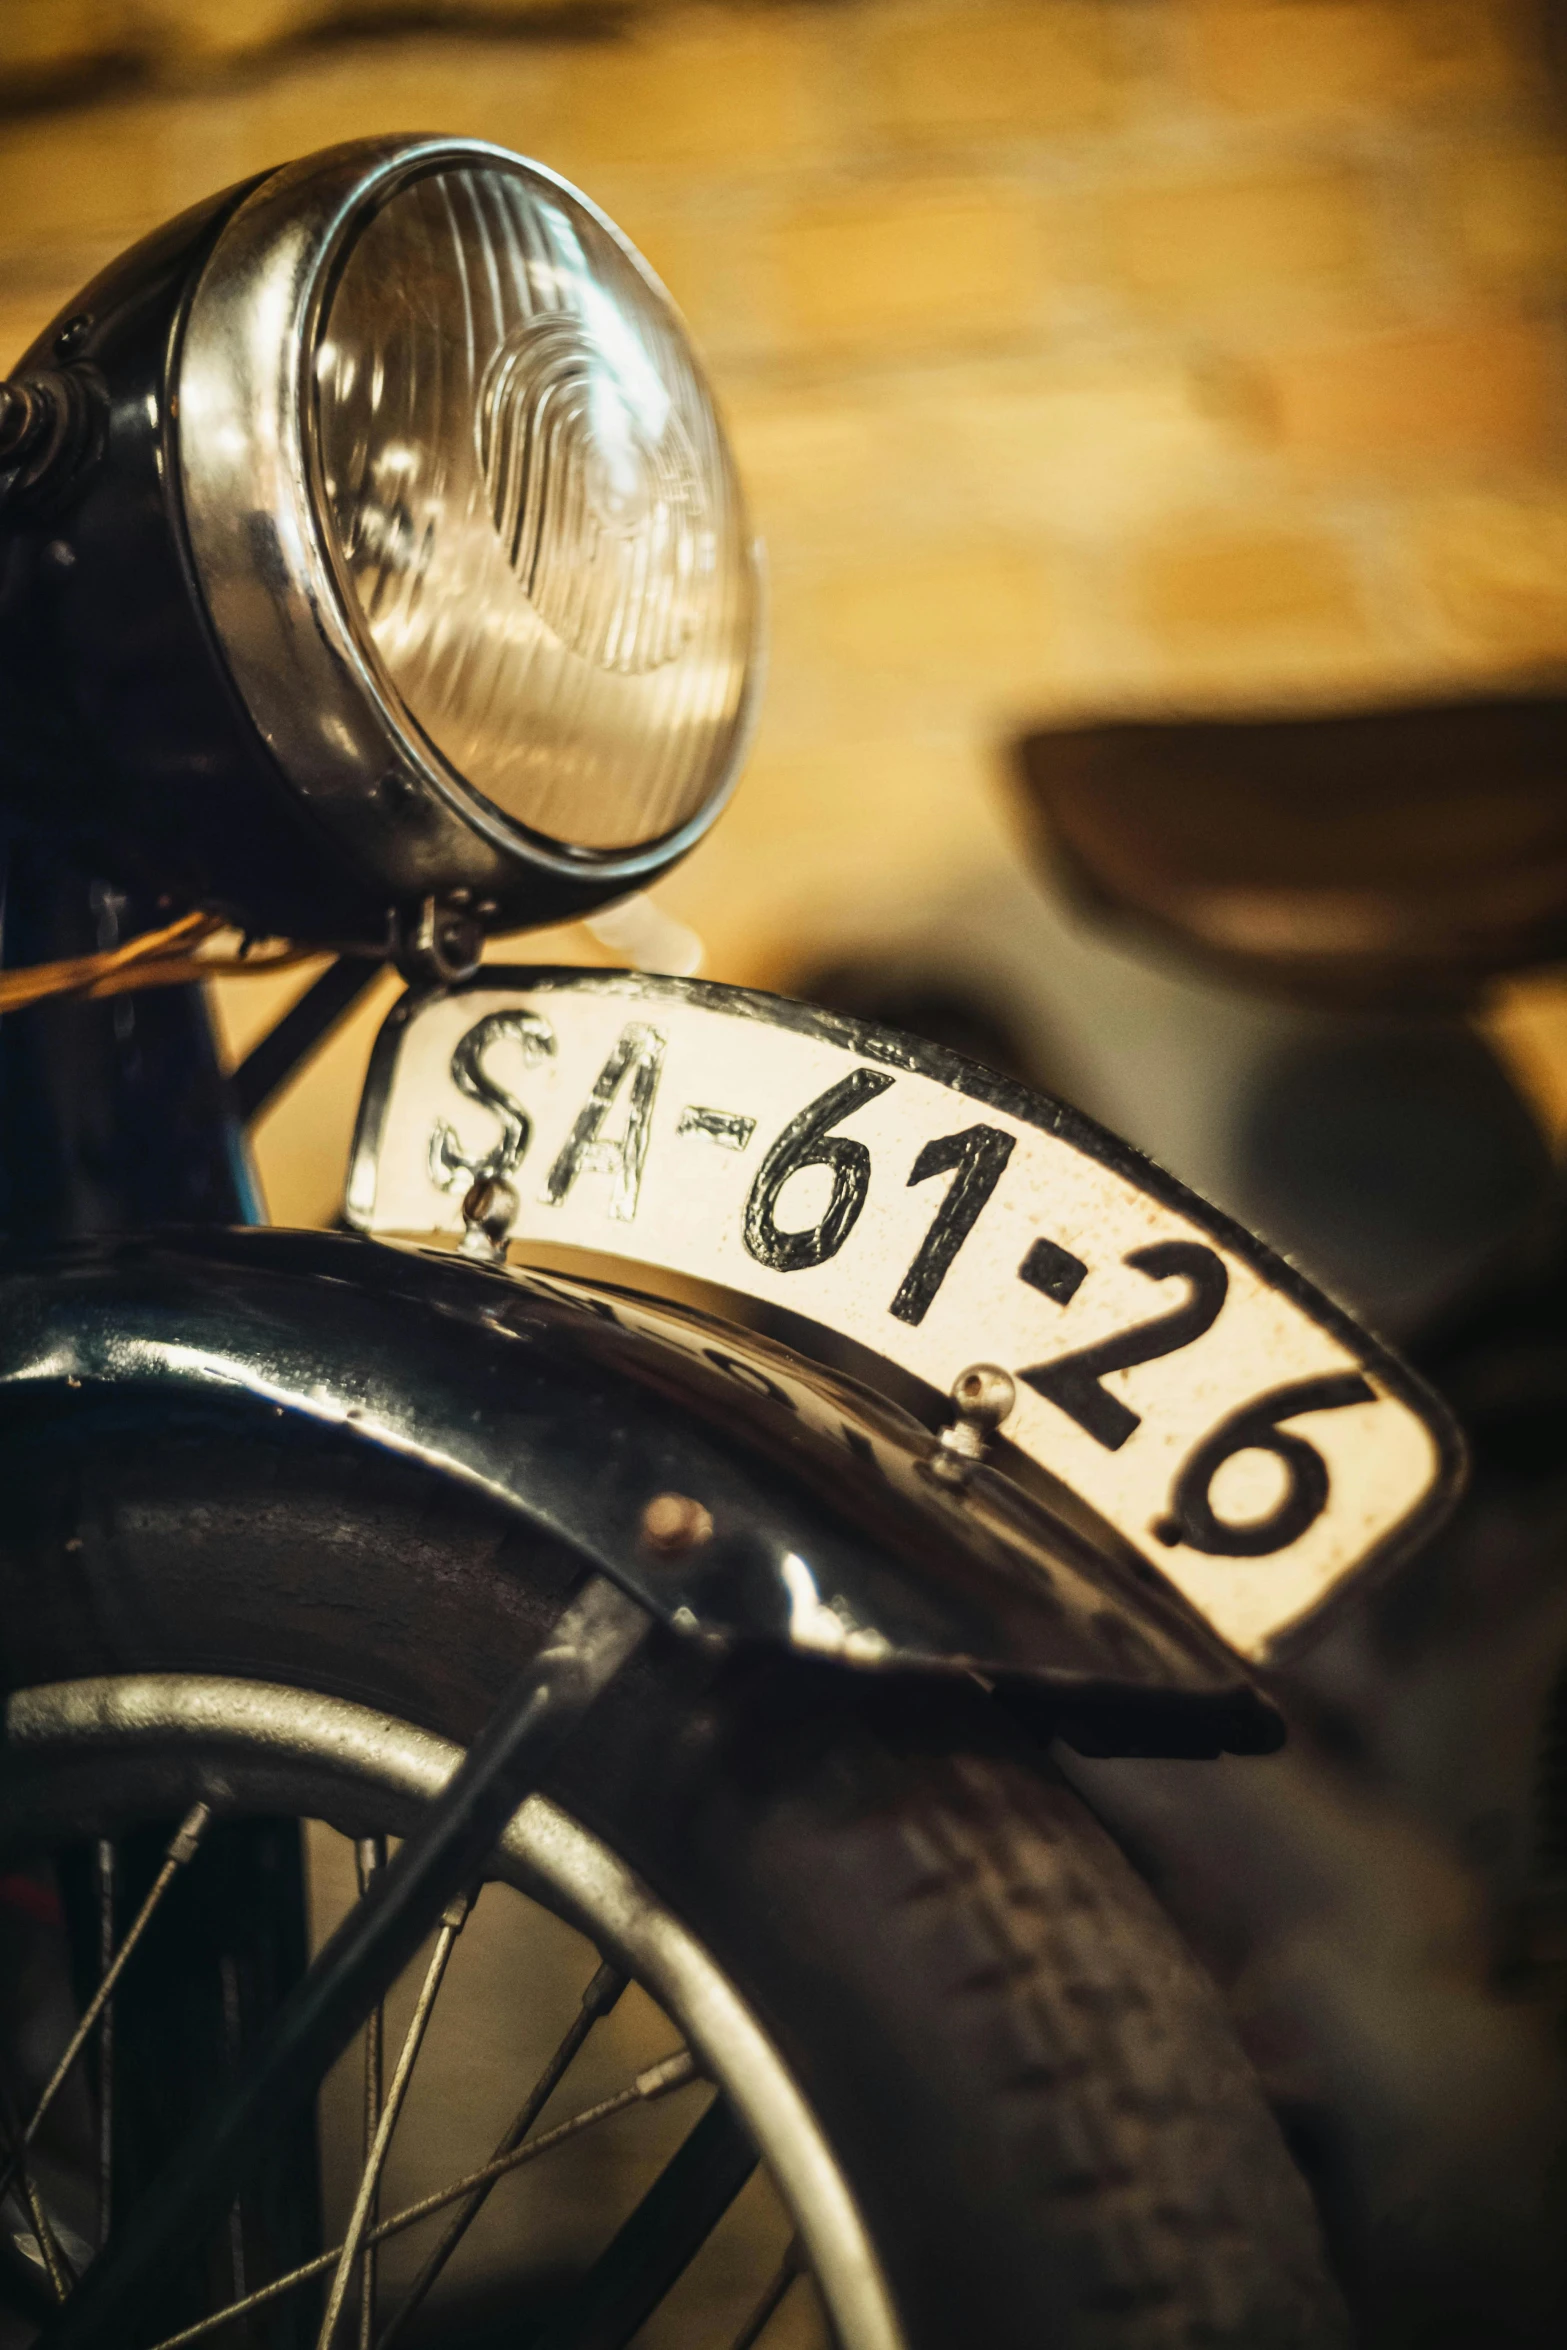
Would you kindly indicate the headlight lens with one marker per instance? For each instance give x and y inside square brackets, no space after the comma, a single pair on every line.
[533,508]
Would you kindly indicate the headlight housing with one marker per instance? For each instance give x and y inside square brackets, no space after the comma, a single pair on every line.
[414,526]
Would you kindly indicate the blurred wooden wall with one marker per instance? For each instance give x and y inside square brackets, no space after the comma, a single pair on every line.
[1081,356]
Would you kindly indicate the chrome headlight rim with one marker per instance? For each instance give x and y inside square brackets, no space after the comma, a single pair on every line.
[242,455]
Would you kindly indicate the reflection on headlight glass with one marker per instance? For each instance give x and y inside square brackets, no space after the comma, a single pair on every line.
[534,508]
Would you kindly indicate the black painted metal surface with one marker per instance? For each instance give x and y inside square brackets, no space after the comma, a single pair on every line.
[124,743]
[655,2246]
[285,1049]
[114,1115]
[825,1538]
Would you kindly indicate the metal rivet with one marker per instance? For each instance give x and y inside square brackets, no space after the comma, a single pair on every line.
[489,1210]
[673,1523]
[982,1397]
[984,1394]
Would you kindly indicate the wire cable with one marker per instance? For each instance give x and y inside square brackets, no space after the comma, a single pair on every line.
[158,958]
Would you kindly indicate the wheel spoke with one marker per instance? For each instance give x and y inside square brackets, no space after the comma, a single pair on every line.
[358,2240]
[60,2274]
[356,1967]
[676,2071]
[20,2170]
[369,1855]
[105,1858]
[773,2297]
[183,1847]
[228,1981]
[659,2241]
[597,2000]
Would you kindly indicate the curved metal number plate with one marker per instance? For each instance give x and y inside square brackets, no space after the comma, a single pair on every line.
[1223,1416]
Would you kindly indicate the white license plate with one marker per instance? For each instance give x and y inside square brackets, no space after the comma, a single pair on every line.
[1230,1422]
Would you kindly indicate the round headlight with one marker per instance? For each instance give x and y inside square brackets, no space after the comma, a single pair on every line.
[529,504]
[455,511]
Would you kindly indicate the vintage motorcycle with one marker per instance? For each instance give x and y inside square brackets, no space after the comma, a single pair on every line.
[374,576]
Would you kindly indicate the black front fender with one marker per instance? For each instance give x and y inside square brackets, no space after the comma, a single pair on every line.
[572,1407]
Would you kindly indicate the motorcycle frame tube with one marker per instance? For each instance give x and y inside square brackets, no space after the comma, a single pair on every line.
[113,1115]
[249,482]
[570,1423]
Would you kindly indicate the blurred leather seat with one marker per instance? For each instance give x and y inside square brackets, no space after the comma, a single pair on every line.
[1396,855]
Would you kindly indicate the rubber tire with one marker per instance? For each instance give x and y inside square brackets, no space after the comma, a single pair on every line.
[1030,2085]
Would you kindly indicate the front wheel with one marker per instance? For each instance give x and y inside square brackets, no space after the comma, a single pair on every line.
[995,2100]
